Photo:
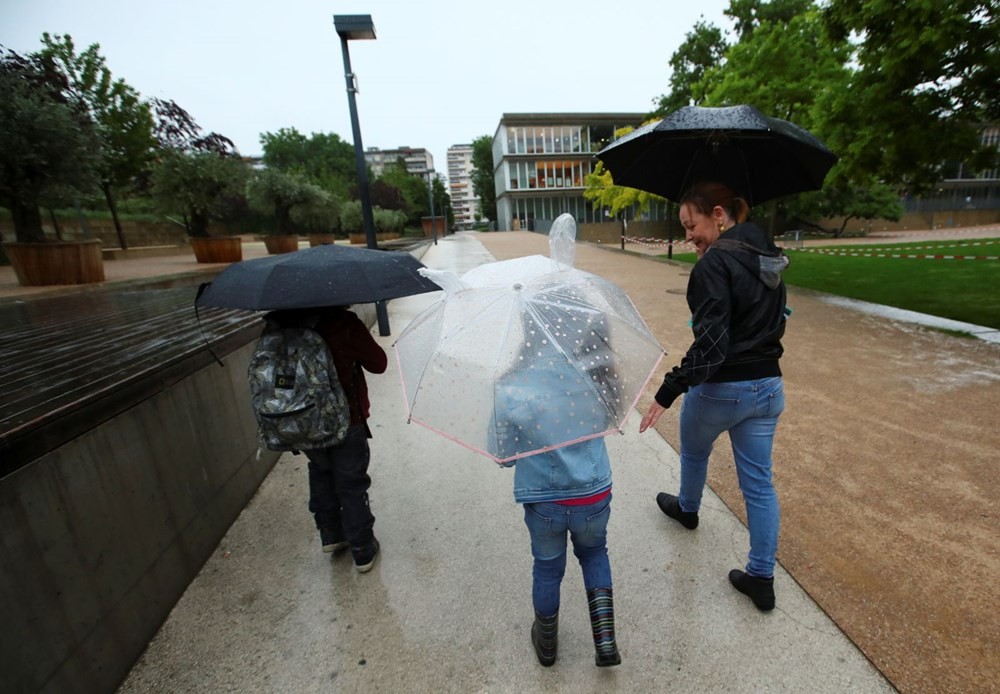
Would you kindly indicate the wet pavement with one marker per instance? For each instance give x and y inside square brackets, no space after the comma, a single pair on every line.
[447,606]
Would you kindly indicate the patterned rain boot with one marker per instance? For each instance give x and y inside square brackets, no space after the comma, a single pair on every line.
[602,623]
[544,637]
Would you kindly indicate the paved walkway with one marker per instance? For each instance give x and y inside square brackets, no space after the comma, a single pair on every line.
[447,608]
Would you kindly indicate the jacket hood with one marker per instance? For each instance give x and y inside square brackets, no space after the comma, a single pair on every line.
[755,251]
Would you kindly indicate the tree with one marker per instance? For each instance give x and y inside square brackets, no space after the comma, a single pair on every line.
[177,132]
[48,150]
[321,158]
[276,192]
[387,196]
[122,121]
[750,14]
[351,218]
[442,200]
[483,176]
[412,188]
[388,220]
[926,83]
[600,189]
[197,185]
[873,201]
[787,69]
[703,48]
[318,211]
[780,68]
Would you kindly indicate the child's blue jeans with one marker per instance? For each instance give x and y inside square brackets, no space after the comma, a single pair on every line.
[548,523]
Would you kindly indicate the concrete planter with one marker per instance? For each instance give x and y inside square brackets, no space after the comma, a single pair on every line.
[56,262]
[217,249]
[285,243]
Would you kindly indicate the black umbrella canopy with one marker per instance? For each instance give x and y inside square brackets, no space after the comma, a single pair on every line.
[328,275]
[759,157]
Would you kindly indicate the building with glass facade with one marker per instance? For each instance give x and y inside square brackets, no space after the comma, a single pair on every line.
[541,161]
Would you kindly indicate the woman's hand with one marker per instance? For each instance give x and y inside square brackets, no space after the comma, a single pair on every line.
[652,416]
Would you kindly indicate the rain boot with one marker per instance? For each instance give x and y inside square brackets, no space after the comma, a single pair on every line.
[545,638]
[602,623]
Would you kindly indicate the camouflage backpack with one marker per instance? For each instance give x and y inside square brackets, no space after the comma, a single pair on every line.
[296,395]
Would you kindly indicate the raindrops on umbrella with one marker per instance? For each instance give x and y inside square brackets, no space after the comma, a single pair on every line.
[759,157]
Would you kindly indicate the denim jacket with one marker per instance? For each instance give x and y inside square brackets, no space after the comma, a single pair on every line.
[570,472]
[534,406]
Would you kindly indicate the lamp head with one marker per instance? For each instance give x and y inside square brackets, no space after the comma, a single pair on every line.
[354,26]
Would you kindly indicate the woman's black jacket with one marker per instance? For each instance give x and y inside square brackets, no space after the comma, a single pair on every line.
[737,302]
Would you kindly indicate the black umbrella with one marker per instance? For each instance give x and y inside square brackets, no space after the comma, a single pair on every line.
[759,157]
[328,275]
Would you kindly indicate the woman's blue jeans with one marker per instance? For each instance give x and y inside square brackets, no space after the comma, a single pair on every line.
[749,411]
[587,526]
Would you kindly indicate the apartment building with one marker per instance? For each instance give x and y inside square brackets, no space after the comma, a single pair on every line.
[417,159]
[464,203]
[541,160]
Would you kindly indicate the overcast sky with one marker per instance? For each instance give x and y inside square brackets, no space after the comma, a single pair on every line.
[441,72]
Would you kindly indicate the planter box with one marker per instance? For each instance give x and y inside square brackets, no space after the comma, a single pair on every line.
[56,262]
[287,243]
[359,239]
[438,223]
[321,239]
[218,249]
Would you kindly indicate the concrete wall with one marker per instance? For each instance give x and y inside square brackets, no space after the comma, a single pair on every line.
[101,536]
[136,233]
[940,219]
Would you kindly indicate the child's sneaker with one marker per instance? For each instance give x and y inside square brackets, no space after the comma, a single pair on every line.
[364,558]
[332,540]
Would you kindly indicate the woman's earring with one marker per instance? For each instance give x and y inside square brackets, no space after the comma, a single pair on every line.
[721,227]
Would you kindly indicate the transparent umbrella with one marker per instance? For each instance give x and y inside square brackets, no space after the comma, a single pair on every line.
[509,369]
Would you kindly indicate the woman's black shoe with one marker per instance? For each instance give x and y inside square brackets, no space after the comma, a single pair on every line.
[669,504]
[760,590]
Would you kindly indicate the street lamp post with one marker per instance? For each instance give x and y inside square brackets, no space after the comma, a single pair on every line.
[356,27]
[430,196]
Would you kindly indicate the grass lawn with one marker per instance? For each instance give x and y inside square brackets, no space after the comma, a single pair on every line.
[962,290]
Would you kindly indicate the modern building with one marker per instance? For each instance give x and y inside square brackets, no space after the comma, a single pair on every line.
[464,203]
[418,160]
[966,197]
[541,161]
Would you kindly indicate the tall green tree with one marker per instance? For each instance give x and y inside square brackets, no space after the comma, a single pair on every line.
[703,48]
[122,121]
[49,152]
[750,14]
[483,178]
[412,188]
[322,158]
[925,84]
[442,200]
[780,68]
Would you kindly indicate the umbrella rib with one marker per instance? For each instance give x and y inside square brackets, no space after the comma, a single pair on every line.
[496,360]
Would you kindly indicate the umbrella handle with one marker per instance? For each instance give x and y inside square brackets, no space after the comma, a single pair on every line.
[201,330]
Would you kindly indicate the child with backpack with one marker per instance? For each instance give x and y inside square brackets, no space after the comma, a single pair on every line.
[290,368]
